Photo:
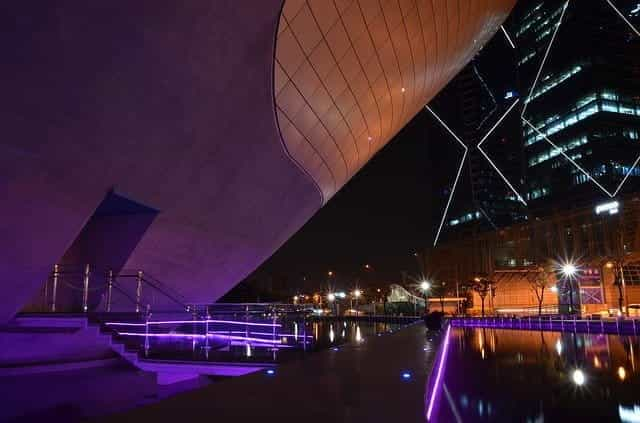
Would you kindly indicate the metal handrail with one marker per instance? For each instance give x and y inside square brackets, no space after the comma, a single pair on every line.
[84,272]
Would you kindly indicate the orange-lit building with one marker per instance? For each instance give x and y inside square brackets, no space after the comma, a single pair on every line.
[599,241]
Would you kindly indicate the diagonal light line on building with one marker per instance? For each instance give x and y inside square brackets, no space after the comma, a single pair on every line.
[569,158]
[447,128]
[479,146]
[504,31]
[455,183]
[626,176]
[544,59]
[633,28]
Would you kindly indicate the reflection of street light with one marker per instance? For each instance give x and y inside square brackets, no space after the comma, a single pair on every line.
[578,377]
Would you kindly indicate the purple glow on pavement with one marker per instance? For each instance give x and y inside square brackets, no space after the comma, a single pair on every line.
[436,385]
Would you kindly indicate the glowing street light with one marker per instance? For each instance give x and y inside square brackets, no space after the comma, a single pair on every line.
[569,269]
[622,373]
[554,289]
[330,273]
[331,297]
[425,285]
[357,293]
[578,377]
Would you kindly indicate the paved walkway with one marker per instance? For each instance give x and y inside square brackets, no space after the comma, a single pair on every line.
[358,383]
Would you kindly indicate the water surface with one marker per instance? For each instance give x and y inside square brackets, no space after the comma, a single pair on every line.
[530,376]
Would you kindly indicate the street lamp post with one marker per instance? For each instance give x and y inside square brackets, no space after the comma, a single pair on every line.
[331,297]
[356,294]
[424,286]
[569,270]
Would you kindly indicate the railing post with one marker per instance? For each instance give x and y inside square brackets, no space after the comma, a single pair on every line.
[54,288]
[85,289]
[138,290]
[146,334]
[109,289]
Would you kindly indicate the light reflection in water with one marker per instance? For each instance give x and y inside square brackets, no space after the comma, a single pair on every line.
[358,334]
[540,376]
[332,335]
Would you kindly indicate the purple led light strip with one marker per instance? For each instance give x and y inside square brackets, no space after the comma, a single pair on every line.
[167,322]
[199,336]
[436,385]
[278,335]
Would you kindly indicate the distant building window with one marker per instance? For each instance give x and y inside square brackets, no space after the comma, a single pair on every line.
[583,109]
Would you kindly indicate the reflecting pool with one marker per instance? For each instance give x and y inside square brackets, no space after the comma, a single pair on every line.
[529,376]
[271,343]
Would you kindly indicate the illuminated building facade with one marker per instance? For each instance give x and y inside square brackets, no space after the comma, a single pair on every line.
[597,240]
[585,99]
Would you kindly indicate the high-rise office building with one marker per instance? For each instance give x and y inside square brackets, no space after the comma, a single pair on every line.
[586,99]
[472,104]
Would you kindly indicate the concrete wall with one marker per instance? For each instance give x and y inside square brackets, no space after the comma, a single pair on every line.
[170,104]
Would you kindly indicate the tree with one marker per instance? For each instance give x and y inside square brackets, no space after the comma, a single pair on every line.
[483,286]
[539,280]
[439,289]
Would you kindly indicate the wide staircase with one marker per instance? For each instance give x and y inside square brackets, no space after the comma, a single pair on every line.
[84,317]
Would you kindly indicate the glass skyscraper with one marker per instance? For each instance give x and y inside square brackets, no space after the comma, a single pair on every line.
[586,100]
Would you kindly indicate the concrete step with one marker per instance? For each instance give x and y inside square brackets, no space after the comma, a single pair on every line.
[53,321]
